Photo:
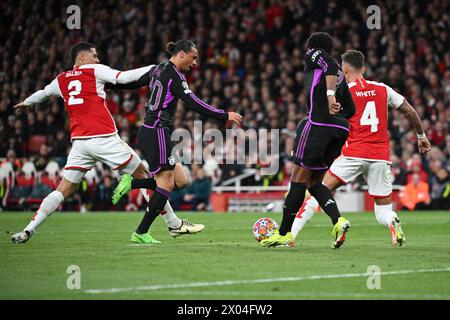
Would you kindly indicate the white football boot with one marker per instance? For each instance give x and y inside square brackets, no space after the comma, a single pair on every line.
[186,228]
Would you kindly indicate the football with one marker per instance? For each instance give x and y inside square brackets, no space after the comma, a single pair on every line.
[264,228]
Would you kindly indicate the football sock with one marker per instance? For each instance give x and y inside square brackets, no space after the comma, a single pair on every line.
[154,207]
[384,214]
[48,206]
[292,203]
[170,217]
[149,183]
[144,192]
[326,201]
[305,213]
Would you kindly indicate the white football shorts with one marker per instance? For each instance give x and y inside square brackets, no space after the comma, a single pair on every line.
[377,174]
[110,150]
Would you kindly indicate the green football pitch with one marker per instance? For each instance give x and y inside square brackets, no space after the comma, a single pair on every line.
[224,261]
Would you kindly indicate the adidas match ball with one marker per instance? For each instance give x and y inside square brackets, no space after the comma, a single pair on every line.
[264,228]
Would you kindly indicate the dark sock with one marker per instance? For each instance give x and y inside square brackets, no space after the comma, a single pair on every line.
[326,201]
[149,183]
[292,204]
[154,207]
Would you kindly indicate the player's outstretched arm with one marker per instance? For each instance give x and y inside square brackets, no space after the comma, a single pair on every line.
[40,96]
[181,90]
[121,80]
[414,120]
[139,83]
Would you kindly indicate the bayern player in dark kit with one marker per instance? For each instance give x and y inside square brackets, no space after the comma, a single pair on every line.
[167,83]
[319,139]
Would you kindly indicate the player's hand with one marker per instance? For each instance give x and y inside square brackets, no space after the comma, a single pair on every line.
[20,106]
[333,106]
[424,145]
[235,117]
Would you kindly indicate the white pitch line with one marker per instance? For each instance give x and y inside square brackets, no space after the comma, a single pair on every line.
[254,281]
[376,295]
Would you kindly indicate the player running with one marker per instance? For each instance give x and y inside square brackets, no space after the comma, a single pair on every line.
[92,129]
[167,83]
[367,150]
[319,139]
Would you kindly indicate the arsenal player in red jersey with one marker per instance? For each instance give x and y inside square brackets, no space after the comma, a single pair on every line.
[93,132]
[367,149]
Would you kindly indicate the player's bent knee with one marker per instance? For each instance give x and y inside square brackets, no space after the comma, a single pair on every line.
[67,187]
[300,174]
[166,185]
[165,180]
[331,182]
[140,172]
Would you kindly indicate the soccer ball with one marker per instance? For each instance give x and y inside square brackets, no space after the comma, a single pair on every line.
[264,228]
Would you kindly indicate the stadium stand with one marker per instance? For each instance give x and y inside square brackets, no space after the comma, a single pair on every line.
[250,61]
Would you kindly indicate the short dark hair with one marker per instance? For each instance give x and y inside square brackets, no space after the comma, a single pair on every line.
[183,45]
[320,40]
[354,58]
[80,46]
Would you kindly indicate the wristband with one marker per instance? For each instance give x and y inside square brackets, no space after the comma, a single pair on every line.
[331,93]
[421,135]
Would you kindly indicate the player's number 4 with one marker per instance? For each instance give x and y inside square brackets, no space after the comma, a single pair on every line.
[75,89]
[369,117]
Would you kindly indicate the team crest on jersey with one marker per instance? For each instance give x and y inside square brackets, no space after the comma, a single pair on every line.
[171,160]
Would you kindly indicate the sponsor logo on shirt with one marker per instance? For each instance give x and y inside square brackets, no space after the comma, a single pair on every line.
[186,87]
[314,56]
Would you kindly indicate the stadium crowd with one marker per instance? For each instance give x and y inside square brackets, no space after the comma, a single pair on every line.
[250,61]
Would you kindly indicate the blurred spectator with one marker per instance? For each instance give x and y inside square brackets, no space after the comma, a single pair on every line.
[414,166]
[440,190]
[12,159]
[103,193]
[415,195]
[61,145]
[197,193]
[43,158]
[398,173]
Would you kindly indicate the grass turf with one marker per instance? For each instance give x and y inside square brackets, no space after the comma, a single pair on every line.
[223,261]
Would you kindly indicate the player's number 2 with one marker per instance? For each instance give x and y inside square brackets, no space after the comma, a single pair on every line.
[75,89]
[369,117]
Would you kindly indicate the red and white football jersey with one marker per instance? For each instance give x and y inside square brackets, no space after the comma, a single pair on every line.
[368,138]
[83,91]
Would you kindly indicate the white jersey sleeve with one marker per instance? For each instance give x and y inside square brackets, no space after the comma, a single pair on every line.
[104,73]
[395,100]
[50,90]
[109,75]
[132,75]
